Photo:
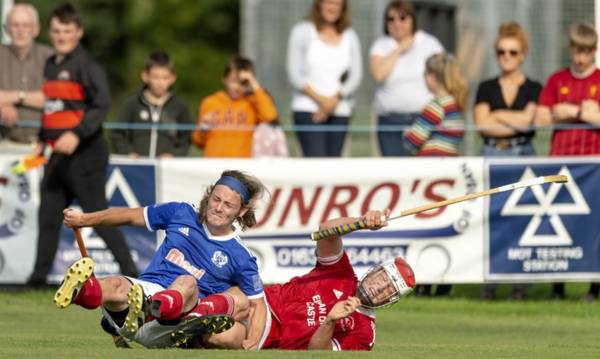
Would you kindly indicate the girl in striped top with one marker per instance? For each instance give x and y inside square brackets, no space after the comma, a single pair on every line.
[440,127]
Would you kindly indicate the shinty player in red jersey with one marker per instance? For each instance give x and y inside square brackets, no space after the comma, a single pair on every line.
[327,308]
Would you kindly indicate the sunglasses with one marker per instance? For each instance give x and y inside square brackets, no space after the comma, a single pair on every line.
[502,52]
[400,18]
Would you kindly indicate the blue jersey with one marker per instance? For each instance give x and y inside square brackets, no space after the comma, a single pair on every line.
[216,262]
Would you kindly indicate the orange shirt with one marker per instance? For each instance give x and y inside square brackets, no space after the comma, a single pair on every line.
[232,133]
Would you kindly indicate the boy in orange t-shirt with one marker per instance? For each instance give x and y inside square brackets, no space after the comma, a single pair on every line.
[228,117]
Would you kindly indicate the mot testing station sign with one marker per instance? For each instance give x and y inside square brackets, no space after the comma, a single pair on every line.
[547,231]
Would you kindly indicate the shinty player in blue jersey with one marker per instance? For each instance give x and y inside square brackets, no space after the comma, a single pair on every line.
[192,274]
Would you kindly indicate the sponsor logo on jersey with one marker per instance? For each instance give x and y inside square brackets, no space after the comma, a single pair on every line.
[219,259]
[176,257]
[316,310]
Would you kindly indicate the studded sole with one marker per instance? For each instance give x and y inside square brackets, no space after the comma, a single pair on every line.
[135,299]
[75,277]
[195,326]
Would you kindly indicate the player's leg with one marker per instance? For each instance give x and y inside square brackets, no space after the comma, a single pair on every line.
[230,339]
[181,297]
[81,287]
[232,302]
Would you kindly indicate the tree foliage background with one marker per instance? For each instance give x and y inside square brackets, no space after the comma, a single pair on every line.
[199,35]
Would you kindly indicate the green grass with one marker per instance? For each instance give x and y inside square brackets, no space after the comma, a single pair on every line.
[458,327]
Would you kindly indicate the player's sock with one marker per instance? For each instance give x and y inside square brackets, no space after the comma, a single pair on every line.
[90,295]
[214,304]
[118,317]
[166,305]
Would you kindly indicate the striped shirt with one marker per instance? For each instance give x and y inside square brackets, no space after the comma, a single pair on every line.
[438,130]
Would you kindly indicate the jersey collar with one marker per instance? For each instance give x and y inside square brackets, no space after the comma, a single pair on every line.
[227,237]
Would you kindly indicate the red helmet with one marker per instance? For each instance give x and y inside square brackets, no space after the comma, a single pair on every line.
[386,283]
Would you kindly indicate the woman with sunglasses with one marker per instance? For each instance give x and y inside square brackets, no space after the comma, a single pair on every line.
[397,63]
[504,112]
[505,105]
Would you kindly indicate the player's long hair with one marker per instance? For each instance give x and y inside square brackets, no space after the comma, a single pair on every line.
[447,72]
[255,189]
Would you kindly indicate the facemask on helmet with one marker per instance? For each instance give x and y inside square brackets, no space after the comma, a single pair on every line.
[386,283]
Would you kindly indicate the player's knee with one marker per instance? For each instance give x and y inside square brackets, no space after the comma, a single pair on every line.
[187,284]
[114,289]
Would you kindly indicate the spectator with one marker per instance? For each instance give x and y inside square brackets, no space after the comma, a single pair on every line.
[21,78]
[440,127]
[228,117]
[397,63]
[155,103]
[571,96]
[504,111]
[324,66]
[77,101]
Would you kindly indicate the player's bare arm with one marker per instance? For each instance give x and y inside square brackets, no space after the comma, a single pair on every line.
[256,323]
[107,217]
[321,339]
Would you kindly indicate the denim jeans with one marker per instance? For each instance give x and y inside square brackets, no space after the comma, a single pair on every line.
[391,141]
[519,150]
[325,139]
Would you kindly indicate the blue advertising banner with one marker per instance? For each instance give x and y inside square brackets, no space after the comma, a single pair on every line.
[127,185]
[548,231]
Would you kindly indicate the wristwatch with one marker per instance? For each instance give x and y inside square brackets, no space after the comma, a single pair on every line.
[21,97]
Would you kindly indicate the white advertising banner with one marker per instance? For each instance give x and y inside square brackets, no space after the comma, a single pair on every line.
[19,201]
[444,245]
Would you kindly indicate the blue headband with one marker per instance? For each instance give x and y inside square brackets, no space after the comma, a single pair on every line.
[235,185]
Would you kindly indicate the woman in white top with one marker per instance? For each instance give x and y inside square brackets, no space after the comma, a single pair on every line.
[325,69]
[397,63]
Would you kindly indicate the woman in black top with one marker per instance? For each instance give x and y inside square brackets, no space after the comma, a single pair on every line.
[504,110]
[505,106]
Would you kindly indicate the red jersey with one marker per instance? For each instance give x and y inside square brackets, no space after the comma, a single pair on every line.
[300,305]
[562,86]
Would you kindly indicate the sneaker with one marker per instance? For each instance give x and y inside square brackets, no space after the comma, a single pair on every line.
[135,300]
[194,326]
[75,277]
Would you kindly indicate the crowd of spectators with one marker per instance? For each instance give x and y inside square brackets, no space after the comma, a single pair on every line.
[420,103]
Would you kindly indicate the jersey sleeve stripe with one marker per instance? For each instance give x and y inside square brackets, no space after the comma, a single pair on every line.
[327,261]
[256,296]
[146,219]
